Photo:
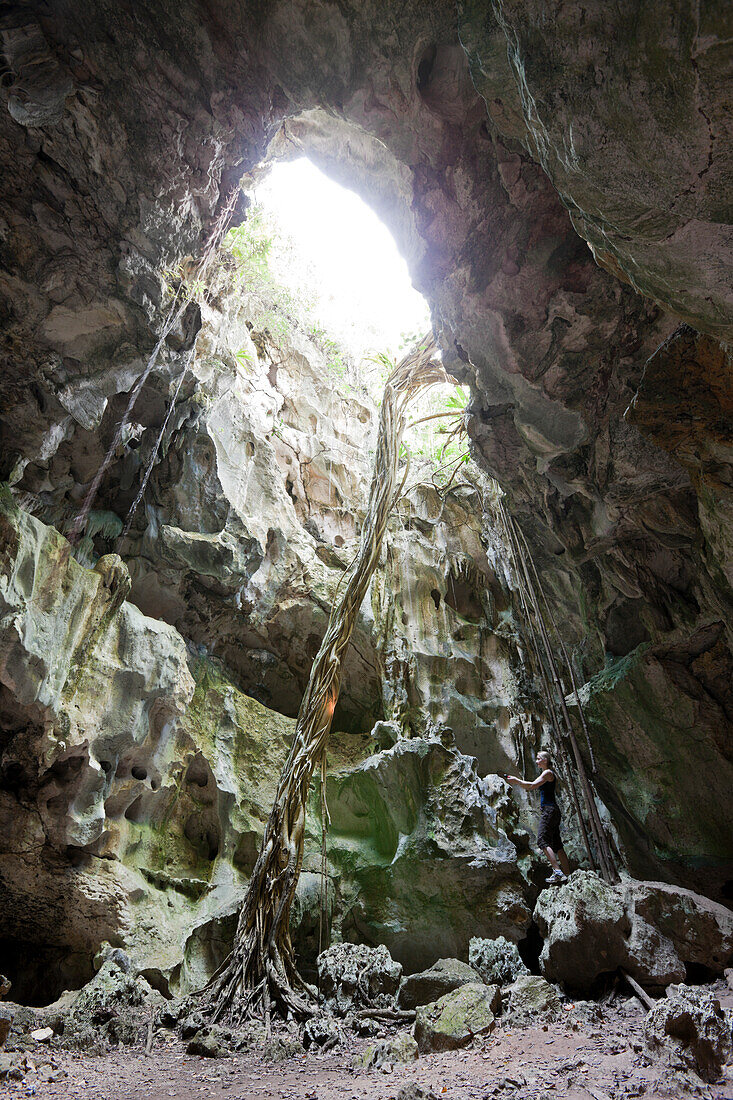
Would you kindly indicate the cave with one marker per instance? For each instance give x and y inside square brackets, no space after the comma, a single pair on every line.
[186,451]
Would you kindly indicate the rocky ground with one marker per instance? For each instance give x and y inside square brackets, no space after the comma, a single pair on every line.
[593,1052]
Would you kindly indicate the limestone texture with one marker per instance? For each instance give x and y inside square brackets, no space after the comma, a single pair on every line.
[454,1019]
[530,999]
[356,976]
[414,831]
[429,985]
[652,930]
[388,1052]
[689,1030]
[564,206]
[496,960]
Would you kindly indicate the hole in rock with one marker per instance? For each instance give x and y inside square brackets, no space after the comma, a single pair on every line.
[316,228]
[64,771]
[136,810]
[530,949]
[435,594]
[425,68]
[41,972]
[202,831]
[464,599]
[138,772]
[697,974]
[246,853]
[198,771]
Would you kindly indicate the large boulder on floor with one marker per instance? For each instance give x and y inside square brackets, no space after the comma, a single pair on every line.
[455,1019]
[323,1030]
[114,1007]
[428,985]
[530,1000]
[397,1050]
[651,929]
[496,960]
[689,1030]
[352,975]
[700,930]
[585,926]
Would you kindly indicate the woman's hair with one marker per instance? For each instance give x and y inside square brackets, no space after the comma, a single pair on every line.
[548,758]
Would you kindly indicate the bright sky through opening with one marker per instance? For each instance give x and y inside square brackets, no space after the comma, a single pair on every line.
[343,254]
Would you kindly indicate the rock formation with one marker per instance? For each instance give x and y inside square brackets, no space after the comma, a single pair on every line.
[565,210]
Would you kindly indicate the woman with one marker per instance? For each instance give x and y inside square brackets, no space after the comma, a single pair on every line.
[548,834]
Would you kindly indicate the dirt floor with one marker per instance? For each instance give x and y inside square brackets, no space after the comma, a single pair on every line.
[576,1058]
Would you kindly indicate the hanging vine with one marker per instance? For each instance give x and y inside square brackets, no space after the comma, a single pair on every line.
[533,600]
[261,971]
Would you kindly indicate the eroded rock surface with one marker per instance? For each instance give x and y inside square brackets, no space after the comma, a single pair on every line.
[689,1030]
[652,930]
[356,976]
[429,985]
[486,137]
[454,1019]
[496,960]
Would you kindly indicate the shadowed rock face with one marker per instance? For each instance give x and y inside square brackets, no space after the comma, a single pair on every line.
[136,780]
[492,143]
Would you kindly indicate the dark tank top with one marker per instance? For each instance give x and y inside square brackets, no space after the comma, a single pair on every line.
[547,793]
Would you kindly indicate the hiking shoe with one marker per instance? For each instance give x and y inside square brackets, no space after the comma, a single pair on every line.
[556,877]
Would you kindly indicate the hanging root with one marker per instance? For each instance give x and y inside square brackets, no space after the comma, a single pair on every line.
[260,975]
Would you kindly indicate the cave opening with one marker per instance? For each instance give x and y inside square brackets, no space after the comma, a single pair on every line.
[339,261]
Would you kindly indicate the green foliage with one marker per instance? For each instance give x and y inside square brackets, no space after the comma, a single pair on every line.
[250,245]
[274,308]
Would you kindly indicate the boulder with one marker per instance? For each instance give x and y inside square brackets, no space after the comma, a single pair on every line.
[700,930]
[413,1091]
[454,1019]
[531,999]
[400,1048]
[689,1030]
[208,1042]
[428,985]
[279,1048]
[323,1031]
[11,1067]
[651,929]
[496,960]
[585,926]
[356,976]
[114,1006]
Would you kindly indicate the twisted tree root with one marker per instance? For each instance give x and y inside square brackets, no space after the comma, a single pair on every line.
[261,973]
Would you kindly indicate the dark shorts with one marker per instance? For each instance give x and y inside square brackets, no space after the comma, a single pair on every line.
[548,834]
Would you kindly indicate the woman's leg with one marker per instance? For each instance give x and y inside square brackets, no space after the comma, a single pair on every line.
[552,858]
